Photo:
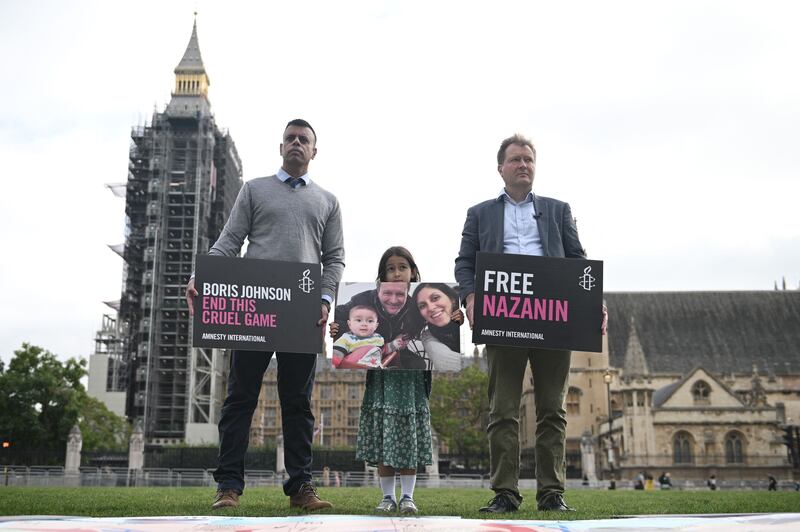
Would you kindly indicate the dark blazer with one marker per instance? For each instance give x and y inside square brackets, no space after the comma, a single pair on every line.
[483,231]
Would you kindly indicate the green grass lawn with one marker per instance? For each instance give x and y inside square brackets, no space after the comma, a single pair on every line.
[591,504]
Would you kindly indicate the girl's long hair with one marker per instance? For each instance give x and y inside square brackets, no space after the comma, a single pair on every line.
[398,251]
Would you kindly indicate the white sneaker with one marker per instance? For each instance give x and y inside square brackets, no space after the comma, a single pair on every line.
[386,505]
[407,505]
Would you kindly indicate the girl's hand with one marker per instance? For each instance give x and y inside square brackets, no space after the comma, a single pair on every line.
[333,328]
[457,316]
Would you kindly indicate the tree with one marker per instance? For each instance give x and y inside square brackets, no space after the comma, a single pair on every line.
[42,398]
[101,428]
[460,411]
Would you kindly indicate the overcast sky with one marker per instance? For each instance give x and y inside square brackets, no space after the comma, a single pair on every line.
[671,128]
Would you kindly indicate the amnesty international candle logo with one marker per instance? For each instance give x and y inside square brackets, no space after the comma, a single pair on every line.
[306,284]
[254,305]
[527,301]
[586,280]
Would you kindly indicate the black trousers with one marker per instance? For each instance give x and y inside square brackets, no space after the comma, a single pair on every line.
[295,383]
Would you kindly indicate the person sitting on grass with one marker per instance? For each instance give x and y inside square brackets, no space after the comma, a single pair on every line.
[773,484]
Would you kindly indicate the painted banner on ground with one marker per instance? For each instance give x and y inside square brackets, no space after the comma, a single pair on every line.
[257,305]
[784,522]
[398,325]
[546,302]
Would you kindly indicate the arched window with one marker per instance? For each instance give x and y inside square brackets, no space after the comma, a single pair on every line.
[682,445]
[701,391]
[734,448]
[574,401]
[640,397]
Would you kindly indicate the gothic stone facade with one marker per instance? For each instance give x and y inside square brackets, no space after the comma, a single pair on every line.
[335,401]
[701,383]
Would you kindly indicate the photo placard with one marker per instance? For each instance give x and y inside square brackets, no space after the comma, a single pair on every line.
[398,325]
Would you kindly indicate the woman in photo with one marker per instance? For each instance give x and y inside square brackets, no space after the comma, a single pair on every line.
[394,429]
[437,306]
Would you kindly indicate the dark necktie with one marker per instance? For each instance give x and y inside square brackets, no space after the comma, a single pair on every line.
[294,182]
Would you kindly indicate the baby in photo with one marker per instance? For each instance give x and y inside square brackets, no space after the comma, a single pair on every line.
[361,346]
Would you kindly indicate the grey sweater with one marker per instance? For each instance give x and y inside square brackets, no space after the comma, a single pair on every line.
[282,223]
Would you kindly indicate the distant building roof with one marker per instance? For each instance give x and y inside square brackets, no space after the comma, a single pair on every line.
[192,61]
[635,361]
[724,332]
[662,394]
[190,97]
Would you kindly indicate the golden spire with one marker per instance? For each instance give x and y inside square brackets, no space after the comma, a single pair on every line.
[190,74]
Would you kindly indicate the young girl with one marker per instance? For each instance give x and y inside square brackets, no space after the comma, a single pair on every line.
[394,430]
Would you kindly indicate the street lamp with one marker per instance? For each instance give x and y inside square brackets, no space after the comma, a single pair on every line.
[612,484]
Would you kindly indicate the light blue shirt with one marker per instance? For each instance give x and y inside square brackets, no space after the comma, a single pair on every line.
[520,230]
[284,176]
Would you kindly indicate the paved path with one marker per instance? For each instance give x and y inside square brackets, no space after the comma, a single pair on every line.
[349,523]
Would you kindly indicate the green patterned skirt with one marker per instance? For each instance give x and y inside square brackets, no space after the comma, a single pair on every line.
[395,424]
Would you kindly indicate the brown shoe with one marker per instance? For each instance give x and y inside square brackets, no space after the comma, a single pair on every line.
[225,499]
[307,499]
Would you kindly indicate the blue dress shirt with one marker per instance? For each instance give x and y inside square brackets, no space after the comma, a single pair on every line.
[520,229]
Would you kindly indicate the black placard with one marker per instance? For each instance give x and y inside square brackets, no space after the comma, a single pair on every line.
[257,305]
[546,302]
